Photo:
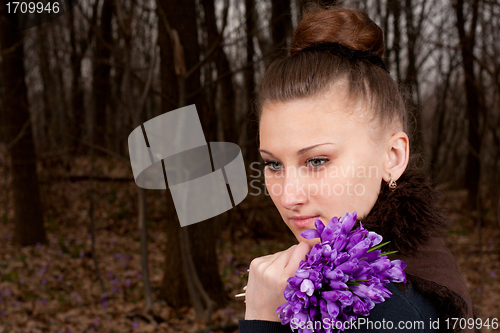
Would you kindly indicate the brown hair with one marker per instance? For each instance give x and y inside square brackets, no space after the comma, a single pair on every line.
[304,74]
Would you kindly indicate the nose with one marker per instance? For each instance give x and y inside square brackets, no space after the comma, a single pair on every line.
[294,193]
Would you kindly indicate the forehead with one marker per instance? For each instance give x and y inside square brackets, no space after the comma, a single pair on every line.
[304,122]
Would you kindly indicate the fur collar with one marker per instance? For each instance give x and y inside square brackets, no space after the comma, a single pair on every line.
[407,216]
[410,218]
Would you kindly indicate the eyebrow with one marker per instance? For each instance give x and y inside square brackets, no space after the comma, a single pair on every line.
[301,151]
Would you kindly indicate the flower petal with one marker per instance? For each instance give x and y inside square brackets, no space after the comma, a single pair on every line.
[348,220]
[310,234]
[333,309]
[319,225]
[307,287]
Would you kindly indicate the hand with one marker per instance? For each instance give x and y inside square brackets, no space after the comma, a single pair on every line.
[267,280]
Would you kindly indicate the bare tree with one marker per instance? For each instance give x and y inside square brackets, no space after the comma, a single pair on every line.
[181,74]
[29,228]
[475,107]
[252,125]
[281,26]
[101,72]
[79,43]
[225,93]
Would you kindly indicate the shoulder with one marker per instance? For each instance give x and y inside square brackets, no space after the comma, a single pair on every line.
[407,310]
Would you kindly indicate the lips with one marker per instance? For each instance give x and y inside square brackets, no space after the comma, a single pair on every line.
[303,221]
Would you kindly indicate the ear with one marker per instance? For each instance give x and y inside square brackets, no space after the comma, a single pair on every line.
[398,153]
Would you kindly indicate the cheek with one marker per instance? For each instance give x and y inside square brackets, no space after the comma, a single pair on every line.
[370,188]
[346,189]
[273,186]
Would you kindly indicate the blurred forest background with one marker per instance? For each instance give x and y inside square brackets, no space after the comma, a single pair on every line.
[83,249]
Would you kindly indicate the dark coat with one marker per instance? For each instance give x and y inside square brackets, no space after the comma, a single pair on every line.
[409,310]
[411,219]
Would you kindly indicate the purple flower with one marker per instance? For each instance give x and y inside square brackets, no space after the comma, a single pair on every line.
[342,277]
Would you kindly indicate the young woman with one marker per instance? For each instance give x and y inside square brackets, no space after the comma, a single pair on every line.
[333,135]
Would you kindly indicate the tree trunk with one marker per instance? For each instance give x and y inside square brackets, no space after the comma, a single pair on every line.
[78,49]
[252,121]
[394,7]
[474,106]
[101,73]
[29,228]
[226,95]
[173,287]
[49,93]
[76,87]
[281,26]
[410,82]
[181,16]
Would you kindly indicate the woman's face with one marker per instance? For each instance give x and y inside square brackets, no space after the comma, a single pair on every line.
[321,159]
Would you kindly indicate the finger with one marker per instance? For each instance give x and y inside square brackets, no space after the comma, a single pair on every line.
[261,262]
[281,258]
[298,254]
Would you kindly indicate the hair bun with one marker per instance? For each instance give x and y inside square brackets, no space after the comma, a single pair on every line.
[348,27]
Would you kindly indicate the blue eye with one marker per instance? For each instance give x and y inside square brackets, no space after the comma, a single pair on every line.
[273,165]
[316,162]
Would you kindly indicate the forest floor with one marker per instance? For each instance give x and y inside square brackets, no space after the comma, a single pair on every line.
[54,287]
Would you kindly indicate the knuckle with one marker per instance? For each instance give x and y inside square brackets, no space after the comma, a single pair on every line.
[268,276]
[254,264]
[302,246]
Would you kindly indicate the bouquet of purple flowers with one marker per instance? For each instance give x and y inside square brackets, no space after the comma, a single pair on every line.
[343,277]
